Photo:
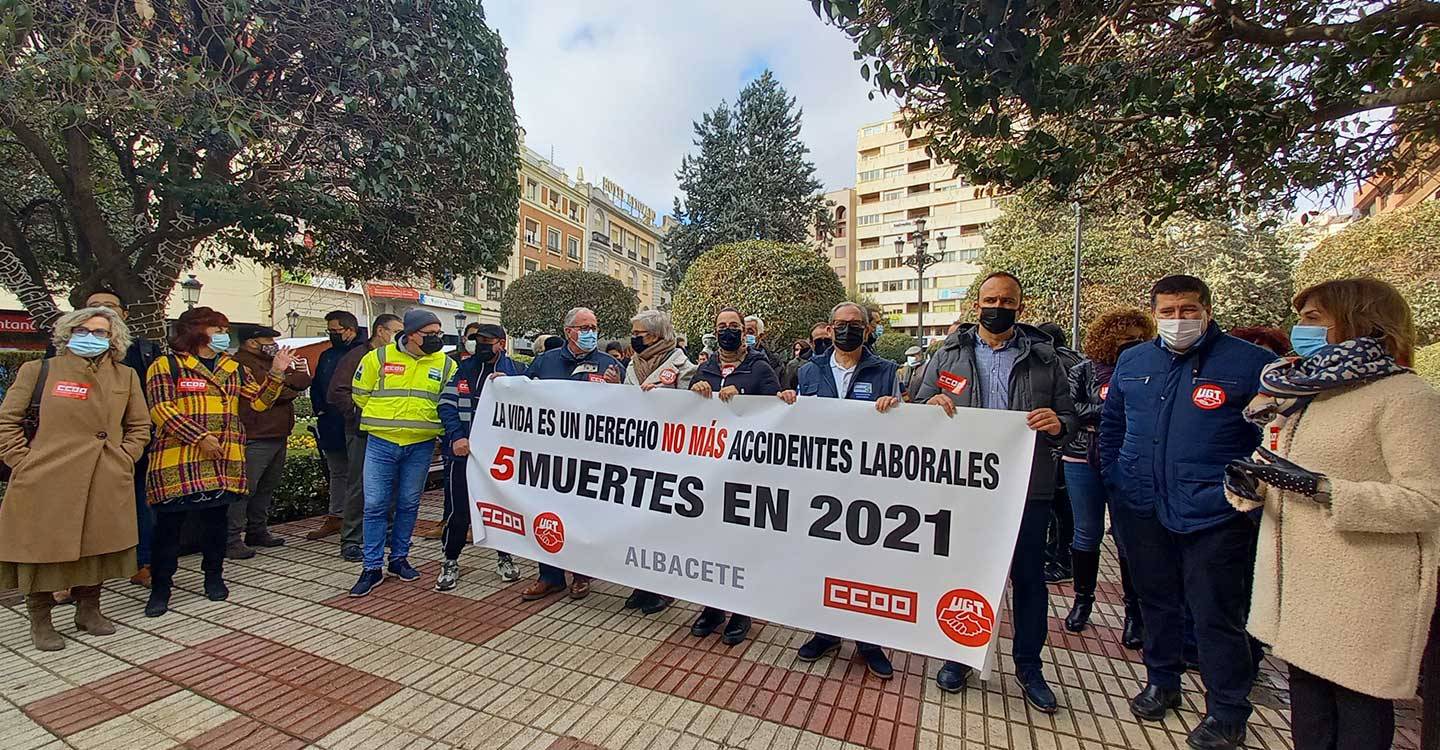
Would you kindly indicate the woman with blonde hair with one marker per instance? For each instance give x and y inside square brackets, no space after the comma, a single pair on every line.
[1347,479]
[68,520]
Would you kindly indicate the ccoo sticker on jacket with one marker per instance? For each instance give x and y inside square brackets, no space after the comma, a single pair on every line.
[70,389]
[952,383]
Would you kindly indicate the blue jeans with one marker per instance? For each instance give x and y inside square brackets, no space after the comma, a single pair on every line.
[393,473]
[144,517]
[1088,500]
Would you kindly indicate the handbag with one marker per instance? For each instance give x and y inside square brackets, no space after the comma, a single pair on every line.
[30,423]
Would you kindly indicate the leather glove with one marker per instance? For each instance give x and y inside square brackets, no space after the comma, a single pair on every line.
[1278,472]
[1240,483]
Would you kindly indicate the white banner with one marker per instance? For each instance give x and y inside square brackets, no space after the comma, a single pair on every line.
[894,528]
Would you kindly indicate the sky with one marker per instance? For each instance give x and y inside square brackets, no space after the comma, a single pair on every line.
[615,86]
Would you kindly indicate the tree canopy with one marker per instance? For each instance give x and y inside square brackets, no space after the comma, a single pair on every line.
[891,345]
[1401,247]
[787,285]
[751,179]
[538,301]
[144,137]
[1211,108]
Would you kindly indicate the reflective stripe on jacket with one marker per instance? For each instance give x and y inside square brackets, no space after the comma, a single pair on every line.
[398,394]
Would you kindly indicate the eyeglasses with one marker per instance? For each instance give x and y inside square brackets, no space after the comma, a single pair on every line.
[584,329]
[99,333]
[844,325]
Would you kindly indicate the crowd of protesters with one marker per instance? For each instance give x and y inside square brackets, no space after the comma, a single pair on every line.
[1263,492]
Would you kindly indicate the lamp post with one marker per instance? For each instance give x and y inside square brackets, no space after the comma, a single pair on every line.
[460,327]
[190,291]
[919,260]
[293,318]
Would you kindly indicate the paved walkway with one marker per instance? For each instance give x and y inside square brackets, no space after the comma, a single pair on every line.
[290,662]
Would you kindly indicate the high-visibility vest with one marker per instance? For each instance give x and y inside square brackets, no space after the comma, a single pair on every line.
[398,394]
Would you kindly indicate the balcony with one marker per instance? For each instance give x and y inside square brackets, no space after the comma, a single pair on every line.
[598,238]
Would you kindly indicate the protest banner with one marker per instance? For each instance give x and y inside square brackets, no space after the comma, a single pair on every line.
[826,515]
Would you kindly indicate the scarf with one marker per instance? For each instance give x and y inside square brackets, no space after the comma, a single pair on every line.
[1347,363]
[736,357]
[649,360]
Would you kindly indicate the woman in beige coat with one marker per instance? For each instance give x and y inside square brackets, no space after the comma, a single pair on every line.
[1348,477]
[68,520]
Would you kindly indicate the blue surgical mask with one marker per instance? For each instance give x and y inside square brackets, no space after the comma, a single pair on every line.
[879,330]
[87,345]
[220,342]
[588,340]
[1306,340]
[750,339]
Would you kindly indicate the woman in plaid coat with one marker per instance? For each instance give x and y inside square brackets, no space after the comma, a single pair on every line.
[197,460]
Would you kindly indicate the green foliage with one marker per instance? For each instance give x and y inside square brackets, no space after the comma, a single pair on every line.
[1427,363]
[1207,108]
[10,366]
[304,489]
[891,345]
[523,360]
[751,180]
[1401,247]
[304,410]
[381,132]
[787,285]
[538,301]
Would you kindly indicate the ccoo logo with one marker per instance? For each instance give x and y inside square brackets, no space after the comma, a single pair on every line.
[549,532]
[870,599]
[496,517]
[1207,396]
[965,617]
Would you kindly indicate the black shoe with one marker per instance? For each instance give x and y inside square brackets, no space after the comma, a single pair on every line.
[1214,734]
[215,588]
[657,603]
[159,601]
[1132,636]
[709,619]
[1079,616]
[1037,693]
[637,599]
[1152,702]
[877,662]
[1057,573]
[352,553]
[400,568]
[817,647]
[952,677]
[369,579]
[736,630]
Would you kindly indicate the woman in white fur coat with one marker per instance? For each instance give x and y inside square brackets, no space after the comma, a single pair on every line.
[1348,484]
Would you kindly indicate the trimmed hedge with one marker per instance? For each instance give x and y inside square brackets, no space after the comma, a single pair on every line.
[304,489]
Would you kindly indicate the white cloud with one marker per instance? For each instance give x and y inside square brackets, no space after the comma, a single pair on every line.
[614,85]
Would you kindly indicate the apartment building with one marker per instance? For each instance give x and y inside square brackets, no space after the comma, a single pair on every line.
[897,183]
[839,250]
[553,212]
[624,243]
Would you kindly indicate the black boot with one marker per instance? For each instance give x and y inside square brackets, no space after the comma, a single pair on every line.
[215,588]
[1087,567]
[1132,636]
[159,601]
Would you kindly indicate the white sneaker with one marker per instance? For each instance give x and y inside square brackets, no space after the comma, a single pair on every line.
[449,575]
[506,568]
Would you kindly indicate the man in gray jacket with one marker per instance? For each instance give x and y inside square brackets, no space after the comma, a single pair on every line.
[1001,364]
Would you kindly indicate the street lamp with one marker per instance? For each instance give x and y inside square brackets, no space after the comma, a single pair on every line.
[460,327]
[190,291]
[293,318]
[919,260]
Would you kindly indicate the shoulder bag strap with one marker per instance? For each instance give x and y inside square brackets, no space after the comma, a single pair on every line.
[32,413]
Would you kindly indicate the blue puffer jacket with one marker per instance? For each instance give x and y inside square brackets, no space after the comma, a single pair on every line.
[1172,421]
[457,401]
[874,377]
[563,364]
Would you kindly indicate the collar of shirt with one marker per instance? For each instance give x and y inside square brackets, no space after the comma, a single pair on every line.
[993,368]
[842,375]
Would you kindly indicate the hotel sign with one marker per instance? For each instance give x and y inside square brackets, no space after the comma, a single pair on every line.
[627,201]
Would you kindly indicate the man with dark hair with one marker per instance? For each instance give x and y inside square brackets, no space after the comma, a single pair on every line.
[344,332]
[1002,364]
[820,343]
[466,346]
[1172,419]
[340,398]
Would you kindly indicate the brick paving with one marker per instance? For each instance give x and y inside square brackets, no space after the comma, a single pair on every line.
[291,662]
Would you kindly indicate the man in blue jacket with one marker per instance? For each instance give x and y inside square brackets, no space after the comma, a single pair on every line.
[849,371]
[1171,421]
[1001,364]
[344,331]
[577,359]
[457,411]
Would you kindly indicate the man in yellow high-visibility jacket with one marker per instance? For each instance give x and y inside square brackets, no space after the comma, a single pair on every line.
[397,389]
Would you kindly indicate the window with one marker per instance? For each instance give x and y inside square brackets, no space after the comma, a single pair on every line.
[870,287]
[545,194]
[531,265]
[870,175]
[634,279]
[494,288]
[894,171]
[868,219]
[532,232]
[470,288]
[866,265]
[839,213]
[890,195]
[575,213]
[645,249]
[839,251]
[552,240]
[892,286]
[870,242]
[532,190]
[574,248]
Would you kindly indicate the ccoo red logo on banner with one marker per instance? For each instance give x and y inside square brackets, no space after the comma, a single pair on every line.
[870,599]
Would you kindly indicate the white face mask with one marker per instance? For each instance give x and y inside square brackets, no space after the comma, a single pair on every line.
[912,361]
[470,346]
[1181,334]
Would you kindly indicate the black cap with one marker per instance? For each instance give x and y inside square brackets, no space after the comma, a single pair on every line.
[255,332]
[491,331]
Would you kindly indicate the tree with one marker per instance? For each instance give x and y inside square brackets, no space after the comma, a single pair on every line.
[538,301]
[824,226]
[1249,265]
[1427,364]
[891,345]
[373,139]
[787,285]
[1401,247]
[1211,108]
[751,179]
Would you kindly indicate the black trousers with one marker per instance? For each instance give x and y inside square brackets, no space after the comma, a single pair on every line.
[1211,572]
[1326,716]
[1029,597]
[457,508]
[165,552]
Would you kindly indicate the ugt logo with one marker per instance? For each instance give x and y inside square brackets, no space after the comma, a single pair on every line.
[549,532]
[1208,396]
[965,617]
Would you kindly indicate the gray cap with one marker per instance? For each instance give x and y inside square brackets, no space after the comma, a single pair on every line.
[415,319]
[912,350]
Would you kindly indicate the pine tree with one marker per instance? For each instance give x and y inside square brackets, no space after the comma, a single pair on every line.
[751,179]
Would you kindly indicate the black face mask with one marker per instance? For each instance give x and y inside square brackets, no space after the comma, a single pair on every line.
[638,344]
[870,339]
[337,338]
[849,338]
[997,320]
[729,338]
[484,352]
[821,347]
[432,343]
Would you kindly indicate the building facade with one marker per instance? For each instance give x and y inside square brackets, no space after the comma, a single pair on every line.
[553,212]
[839,249]
[1419,183]
[624,244]
[897,183]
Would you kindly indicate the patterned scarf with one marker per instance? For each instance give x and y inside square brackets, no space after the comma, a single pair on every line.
[1339,365]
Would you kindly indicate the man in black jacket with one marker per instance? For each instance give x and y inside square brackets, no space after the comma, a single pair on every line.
[344,332]
[1004,365]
